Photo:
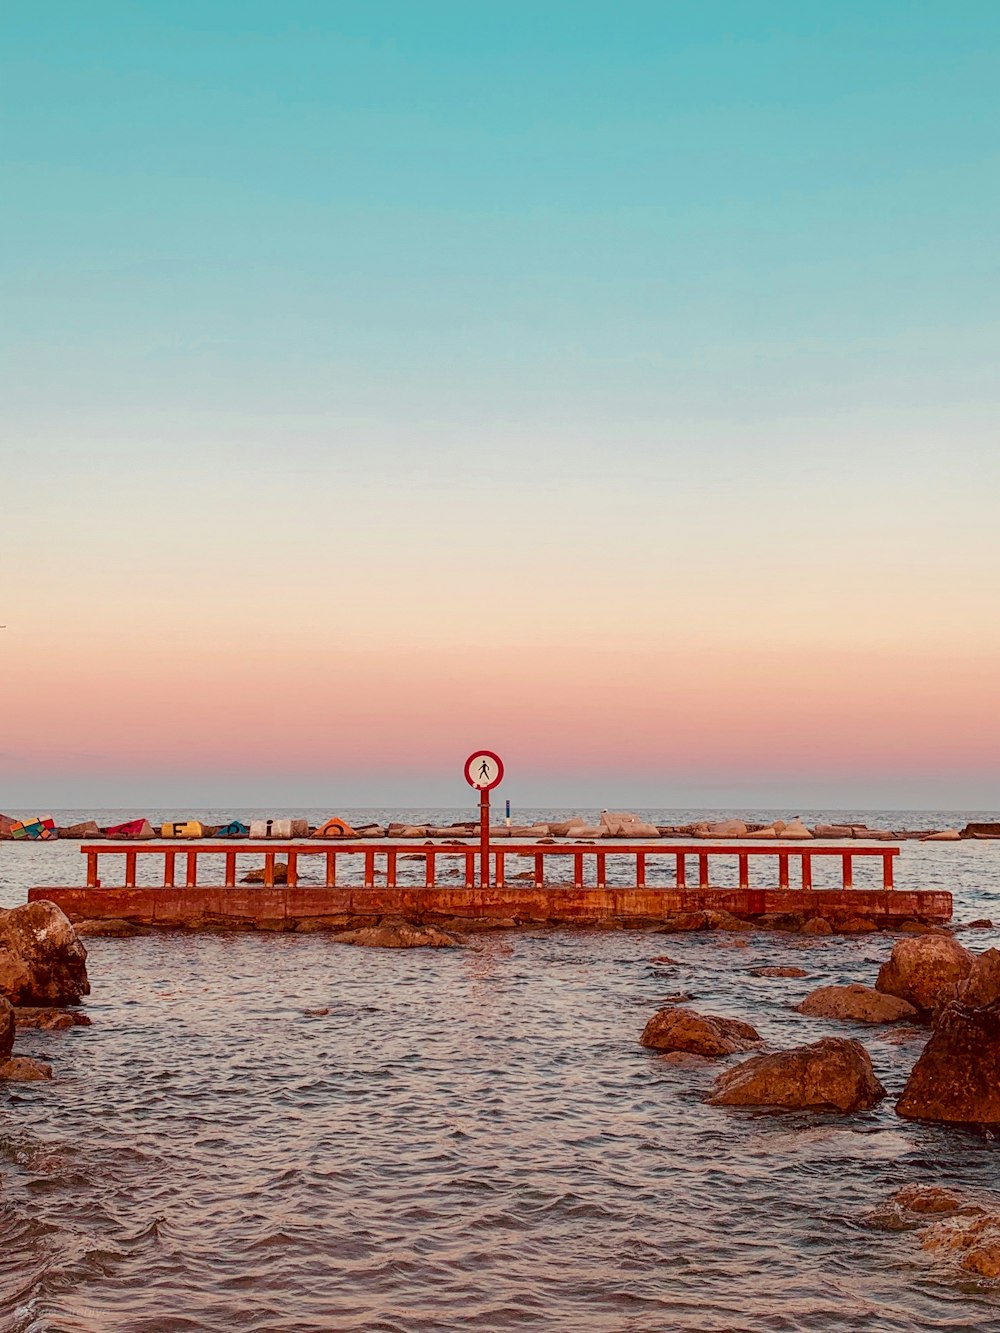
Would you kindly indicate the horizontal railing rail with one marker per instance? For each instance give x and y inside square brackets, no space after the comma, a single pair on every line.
[389,853]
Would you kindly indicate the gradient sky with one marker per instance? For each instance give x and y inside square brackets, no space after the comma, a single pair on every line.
[613,385]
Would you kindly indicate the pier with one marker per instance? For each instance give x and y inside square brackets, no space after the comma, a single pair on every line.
[638,883]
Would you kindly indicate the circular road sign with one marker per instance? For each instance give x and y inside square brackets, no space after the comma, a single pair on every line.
[484,770]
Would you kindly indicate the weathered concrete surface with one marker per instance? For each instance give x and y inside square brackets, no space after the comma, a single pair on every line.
[519,902]
[514,902]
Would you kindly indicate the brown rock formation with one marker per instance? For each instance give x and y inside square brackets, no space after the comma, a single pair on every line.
[112,927]
[41,959]
[7,1029]
[830,1074]
[957,1078]
[21,1069]
[50,1020]
[257,876]
[698,1034]
[398,935]
[980,987]
[817,925]
[855,1003]
[921,967]
[80,832]
[778,972]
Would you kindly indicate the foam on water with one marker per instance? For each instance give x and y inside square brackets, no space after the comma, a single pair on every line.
[469,1139]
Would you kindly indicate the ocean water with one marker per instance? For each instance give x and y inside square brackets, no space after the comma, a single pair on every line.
[469,1138]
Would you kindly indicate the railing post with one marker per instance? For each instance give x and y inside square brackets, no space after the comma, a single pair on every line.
[268,869]
[578,870]
[682,869]
[369,867]
[390,869]
[887,870]
[782,870]
[470,869]
[130,870]
[192,869]
[703,870]
[602,874]
[169,869]
[331,870]
[848,861]
[92,880]
[230,870]
[292,878]
[539,870]
[807,871]
[500,868]
[430,868]
[640,870]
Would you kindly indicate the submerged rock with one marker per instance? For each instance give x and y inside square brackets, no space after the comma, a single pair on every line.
[21,1069]
[928,1199]
[831,1074]
[698,1034]
[855,1003]
[41,959]
[112,927]
[975,1239]
[398,935]
[778,972]
[257,876]
[957,1077]
[921,967]
[51,1020]
[817,925]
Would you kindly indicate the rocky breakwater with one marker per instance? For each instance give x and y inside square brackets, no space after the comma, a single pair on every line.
[43,968]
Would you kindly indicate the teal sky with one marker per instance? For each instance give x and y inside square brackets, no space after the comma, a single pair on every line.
[292,290]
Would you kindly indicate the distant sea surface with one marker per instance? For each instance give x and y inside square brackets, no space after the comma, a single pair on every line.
[469,1138]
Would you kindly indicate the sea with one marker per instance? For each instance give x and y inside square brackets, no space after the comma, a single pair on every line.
[265,1132]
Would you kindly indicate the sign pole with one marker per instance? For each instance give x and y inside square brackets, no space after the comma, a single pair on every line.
[484,771]
[484,838]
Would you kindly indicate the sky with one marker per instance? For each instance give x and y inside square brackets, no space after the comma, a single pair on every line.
[612,385]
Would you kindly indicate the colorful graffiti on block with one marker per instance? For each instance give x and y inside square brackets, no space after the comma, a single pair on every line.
[234,829]
[135,828]
[40,828]
[335,828]
[189,828]
[271,828]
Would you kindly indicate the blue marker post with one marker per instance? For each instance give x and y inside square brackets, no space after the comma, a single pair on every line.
[507,816]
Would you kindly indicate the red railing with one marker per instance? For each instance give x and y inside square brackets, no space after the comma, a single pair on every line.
[580,853]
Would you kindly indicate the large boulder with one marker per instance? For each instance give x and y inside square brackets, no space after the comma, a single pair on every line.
[398,935]
[921,967]
[957,1078]
[795,829]
[856,1004]
[980,987]
[725,828]
[7,1028]
[626,826]
[41,959]
[698,1034]
[831,1074]
[80,832]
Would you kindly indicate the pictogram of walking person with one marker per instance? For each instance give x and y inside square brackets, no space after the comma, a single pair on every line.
[484,770]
